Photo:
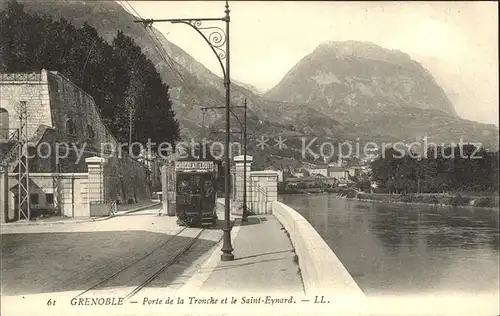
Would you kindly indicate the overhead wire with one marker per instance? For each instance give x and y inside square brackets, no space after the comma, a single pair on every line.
[170,62]
[164,54]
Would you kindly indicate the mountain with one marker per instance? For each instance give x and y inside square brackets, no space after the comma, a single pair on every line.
[377,94]
[350,77]
[247,86]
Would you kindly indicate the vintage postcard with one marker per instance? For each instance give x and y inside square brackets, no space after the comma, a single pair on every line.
[249,158]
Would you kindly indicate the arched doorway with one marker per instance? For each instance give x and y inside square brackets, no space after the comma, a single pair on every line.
[4,124]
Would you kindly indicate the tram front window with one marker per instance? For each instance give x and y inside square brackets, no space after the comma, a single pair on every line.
[208,188]
[189,185]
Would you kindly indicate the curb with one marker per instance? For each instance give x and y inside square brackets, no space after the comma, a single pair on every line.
[95,219]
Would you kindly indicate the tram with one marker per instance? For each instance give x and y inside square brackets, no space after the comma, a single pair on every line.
[196,192]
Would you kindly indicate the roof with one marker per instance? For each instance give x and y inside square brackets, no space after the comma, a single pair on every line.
[345,181]
[14,184]
[319,167]
[336,169]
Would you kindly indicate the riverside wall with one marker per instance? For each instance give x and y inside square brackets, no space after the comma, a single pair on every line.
[322,271]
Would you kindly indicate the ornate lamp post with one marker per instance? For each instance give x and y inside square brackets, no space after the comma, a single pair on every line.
[216,39]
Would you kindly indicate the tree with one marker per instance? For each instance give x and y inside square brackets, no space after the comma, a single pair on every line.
[119,77]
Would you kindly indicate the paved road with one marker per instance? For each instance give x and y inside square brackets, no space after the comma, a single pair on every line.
[74,256]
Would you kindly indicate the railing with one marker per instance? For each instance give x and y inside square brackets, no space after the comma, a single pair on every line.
[20,77]
[259,188]
[257,197]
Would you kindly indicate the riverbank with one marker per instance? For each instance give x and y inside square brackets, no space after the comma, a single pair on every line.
[491,202]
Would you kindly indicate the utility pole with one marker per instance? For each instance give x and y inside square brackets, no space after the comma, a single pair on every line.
[216,39]
[245,212]
[129,128]
[23,166]
[243,129]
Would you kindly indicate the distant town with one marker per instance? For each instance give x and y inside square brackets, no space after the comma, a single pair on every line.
[325,177]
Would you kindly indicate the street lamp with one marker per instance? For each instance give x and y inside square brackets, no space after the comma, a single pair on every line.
[216,40]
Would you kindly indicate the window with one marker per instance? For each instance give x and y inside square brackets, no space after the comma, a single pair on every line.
[90,132]
[49,198]
[34,198]
[70,127]
[4,124]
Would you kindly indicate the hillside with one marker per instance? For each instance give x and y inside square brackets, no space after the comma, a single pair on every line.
[200,87]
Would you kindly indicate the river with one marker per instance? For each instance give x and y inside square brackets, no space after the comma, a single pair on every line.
[408,249]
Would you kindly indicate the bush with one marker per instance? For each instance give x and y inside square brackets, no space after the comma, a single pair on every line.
[459,200]
[408,198]
[433,200]
[485,202]
[380,190]
[332,190]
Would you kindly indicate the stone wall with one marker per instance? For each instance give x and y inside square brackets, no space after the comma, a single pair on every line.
[71,105]
[322,271]
[61,112]
[126,180]
[32,88]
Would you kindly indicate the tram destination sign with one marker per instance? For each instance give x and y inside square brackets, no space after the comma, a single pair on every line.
[194,165]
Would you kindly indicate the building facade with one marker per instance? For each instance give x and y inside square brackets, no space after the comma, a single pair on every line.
[64,128]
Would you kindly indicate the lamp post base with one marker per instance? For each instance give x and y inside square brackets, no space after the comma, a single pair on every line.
[227,249]
[244,216]
[227,257]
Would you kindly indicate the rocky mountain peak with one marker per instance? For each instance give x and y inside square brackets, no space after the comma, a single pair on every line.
[363,50]
[359,78]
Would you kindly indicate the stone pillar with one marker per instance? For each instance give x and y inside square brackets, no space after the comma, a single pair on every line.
[96,188]
[4,195]
[239,185]
[164,189]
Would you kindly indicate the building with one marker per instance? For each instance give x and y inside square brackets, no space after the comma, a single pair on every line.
[338,173]
[93,168]
[318,170]
[298,174]
[279,172]
[291,182]
[354,171]
[308,181]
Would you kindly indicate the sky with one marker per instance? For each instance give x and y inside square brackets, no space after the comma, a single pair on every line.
[456,41]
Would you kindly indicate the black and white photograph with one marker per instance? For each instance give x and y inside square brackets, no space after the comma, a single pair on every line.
[249,158]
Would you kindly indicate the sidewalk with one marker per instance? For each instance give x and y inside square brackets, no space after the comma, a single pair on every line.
[131,208]
[263,262]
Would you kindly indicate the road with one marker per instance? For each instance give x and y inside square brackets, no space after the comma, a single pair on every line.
[76,256]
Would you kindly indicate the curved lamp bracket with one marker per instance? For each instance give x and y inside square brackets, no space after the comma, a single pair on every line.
[215,38]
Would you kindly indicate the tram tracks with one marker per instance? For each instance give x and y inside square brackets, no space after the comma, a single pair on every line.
[165,266]
[151,264]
